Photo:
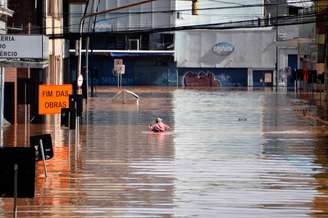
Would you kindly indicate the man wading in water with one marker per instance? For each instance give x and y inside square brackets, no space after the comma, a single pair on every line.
[159,126]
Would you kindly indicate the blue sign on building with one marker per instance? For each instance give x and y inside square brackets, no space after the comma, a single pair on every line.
[223,48]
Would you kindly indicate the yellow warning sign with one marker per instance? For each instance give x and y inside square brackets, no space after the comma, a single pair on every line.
[54,97]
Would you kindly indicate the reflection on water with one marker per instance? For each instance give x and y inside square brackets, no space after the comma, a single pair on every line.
[233,153]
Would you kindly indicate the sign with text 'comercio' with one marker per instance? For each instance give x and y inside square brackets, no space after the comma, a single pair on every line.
[24,46]
[52,98]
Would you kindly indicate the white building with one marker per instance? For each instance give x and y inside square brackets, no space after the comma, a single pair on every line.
[225,52]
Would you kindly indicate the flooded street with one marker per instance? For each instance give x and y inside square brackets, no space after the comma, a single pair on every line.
[228,154]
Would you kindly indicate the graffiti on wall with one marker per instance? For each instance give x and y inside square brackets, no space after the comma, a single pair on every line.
[220,77]
[200,79]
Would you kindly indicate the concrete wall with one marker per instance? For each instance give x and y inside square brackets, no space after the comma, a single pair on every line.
[252,49]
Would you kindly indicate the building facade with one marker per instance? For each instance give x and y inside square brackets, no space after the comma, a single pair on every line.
[128,33]
[24,75]
[235,58]
[122,35]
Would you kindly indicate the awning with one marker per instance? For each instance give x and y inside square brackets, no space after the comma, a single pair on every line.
[24,64]
[142,53]
[129,53]
[295,42]
[300,3]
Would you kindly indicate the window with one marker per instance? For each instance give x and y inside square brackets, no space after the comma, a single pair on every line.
[292,10]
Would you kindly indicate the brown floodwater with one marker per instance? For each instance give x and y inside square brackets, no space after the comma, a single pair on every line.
[229,153]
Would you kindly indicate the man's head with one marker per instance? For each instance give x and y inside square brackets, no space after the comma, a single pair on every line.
[158,120]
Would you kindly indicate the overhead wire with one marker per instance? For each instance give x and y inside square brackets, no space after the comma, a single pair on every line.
[253,23]
[225,2]
[205,8]
[217,8]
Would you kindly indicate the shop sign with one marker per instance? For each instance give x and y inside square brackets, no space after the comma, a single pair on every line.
[120,69]
[223,48]
[23,46]
[117,62]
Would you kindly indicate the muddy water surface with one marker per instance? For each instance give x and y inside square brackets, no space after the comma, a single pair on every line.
[227,154]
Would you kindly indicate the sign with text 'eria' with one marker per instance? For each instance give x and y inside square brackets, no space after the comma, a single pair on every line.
[52,98]
[24,46]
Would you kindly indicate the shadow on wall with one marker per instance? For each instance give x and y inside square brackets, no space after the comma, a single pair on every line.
[192,79]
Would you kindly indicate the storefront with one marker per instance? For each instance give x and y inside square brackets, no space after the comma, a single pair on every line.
[231,58]
[141,68]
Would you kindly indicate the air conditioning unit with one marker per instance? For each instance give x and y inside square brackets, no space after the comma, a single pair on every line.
[134,44]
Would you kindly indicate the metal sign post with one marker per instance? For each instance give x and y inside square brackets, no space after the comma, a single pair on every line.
[25,114]
[119,70]
[79,84]
[15,189]
[43,159]
[76,131]
[118,80]
[69,140]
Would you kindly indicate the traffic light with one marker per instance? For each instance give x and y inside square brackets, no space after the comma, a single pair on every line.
[194,7]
